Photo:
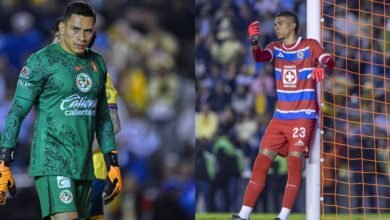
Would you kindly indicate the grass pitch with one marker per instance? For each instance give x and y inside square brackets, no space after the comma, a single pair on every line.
[228,216]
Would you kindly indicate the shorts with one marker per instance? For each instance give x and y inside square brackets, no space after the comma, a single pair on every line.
[97,197]
[58,194]
[284,136]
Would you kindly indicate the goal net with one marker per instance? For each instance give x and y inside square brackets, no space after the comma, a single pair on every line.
[356,112]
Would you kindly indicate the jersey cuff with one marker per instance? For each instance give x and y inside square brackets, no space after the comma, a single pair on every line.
[113,106]
[272,54]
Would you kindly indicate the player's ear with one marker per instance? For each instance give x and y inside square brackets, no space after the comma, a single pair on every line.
[61,28]
[293,25]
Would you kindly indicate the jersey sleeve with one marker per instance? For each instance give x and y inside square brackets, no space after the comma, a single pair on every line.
[104,128]
[112,93]
[31,80]
[270,48]
[265,55]
[322,58]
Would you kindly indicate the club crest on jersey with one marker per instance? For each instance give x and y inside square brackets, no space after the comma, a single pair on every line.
[290,77]
[300,55]
[66,196]
[84,82]
[25,72]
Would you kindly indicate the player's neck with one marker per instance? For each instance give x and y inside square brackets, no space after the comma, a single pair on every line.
[68,50]
[290,40]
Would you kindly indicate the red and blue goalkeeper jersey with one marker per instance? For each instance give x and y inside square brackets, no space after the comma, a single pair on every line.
[296,90]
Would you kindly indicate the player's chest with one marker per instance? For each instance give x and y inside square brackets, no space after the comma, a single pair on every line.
[293,74]
[84,78]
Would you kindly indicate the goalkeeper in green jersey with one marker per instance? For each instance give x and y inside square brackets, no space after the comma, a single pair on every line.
[65,82]
[98,184]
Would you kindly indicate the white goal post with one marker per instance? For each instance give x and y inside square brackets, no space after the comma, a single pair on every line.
[313,175]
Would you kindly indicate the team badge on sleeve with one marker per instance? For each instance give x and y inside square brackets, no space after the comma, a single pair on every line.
[84,82]
[25,72]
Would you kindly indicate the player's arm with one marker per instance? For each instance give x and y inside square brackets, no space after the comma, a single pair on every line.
[29,86]
[112,94]
[105,136]
[259,55]
[104,126]
[325,62]
[115,120]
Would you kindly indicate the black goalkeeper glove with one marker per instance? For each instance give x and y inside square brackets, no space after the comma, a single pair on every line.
[113,183]
[6,180]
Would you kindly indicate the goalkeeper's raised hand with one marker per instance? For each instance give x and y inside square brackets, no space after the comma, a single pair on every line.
[113,183]
[254,32]
[6,180]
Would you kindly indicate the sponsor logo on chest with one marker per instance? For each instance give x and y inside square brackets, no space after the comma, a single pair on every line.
[76,105]
[289,76]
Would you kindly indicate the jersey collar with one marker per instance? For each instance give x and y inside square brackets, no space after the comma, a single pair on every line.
[295,45]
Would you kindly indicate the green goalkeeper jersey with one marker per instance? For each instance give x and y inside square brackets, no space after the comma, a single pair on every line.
[68,93]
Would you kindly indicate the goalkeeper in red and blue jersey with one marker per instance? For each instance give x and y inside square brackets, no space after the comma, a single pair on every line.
[299,64]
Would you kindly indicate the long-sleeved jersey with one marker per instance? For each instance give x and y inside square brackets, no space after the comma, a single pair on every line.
[69,96]
[99,164]
[296,90]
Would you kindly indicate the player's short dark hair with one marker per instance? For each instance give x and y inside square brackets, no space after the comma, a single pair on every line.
[79,8]
[56,23]
[291,15]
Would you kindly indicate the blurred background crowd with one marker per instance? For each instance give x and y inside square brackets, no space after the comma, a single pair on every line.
[236,99]
[149,53]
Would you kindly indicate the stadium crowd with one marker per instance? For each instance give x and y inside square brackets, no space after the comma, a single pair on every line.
[149,55]
[236,99]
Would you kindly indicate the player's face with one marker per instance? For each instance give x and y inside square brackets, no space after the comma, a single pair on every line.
[76,33]
[284,27]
